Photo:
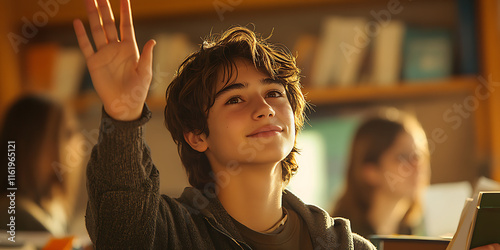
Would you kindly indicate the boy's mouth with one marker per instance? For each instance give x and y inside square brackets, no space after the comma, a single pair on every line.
[265,131]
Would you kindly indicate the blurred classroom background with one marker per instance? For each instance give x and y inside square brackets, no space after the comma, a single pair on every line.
[438,60]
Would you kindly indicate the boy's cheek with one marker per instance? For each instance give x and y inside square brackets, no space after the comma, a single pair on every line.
[289,114]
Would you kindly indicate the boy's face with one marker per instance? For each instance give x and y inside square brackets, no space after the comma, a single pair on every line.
[251,120]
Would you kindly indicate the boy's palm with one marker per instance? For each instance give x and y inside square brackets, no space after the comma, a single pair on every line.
[114,75]
[120,76]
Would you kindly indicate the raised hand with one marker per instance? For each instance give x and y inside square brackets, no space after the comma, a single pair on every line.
[120,76]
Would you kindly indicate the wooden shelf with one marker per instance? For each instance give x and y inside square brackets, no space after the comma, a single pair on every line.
[402,90]
[147,9]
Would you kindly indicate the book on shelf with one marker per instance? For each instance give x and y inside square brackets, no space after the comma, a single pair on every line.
[427,54]
[39,64]
[69,69]
[341,48]
[387,54]
[366,67]
[304,51]
[467,45]
[54,70]
[170,51]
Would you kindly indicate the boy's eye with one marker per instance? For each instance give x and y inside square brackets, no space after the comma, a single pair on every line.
[234,100]
[274,93]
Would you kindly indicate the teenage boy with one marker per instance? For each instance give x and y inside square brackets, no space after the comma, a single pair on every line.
[234,109]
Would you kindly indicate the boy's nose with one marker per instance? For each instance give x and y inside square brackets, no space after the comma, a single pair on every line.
[262,110]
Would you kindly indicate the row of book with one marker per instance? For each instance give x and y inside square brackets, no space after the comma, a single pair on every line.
[54,70]
[61,73]
[348,51]
[353,50]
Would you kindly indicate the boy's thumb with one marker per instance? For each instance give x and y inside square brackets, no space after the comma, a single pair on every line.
[146,60]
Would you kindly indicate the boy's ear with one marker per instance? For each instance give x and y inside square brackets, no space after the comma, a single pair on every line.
[197,141]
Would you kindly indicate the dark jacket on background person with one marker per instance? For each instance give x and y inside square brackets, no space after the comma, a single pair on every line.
[126,211]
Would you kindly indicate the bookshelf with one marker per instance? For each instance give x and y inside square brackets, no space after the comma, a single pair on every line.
[487,122]
[9,61]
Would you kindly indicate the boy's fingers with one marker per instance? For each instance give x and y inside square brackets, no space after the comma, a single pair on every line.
[144,68]
[95,24]
[126,23]
[83,39]
[108,20]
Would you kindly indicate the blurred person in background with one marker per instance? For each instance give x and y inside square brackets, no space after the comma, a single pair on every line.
[388,172]
[47,165]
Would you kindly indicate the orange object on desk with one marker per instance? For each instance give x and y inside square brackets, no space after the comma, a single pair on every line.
[60,244]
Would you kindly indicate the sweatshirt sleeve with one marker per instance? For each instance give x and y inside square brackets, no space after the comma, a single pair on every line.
[123,186]
[362,243]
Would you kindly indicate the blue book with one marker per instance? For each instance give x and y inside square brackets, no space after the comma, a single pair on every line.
[427,54]
[467,34]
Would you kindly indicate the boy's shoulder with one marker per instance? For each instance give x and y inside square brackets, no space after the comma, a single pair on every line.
[325,230]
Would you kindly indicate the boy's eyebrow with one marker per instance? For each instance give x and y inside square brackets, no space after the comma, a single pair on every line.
[269,80]
[229,87]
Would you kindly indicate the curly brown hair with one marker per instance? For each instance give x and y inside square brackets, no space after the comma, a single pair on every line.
[191,93]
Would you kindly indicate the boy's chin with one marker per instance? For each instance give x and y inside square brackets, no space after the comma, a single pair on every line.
[269,158]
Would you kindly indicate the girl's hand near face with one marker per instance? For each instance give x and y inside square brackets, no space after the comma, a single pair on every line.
[120,75]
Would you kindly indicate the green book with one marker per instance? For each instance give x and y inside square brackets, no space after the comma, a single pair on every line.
[486,222]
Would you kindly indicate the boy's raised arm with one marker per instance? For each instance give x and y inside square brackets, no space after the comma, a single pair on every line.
[120,75]
[122,182]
